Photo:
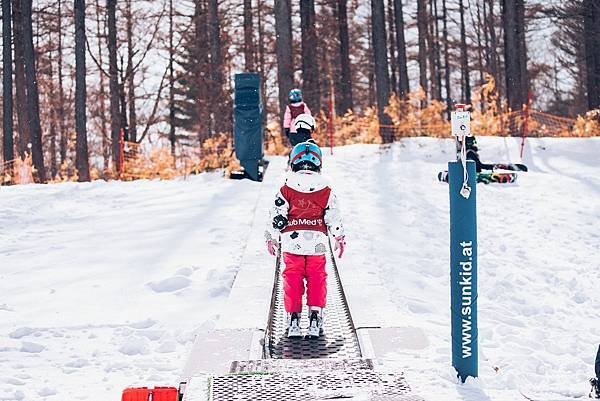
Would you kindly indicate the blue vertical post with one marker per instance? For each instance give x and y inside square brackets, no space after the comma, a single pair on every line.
[463,270]
[248,123]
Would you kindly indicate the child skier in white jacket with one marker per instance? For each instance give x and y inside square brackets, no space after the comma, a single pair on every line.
[304,212]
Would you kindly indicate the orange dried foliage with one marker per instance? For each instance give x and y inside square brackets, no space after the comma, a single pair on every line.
[487,115]
[275,143]
[350,128]
[411,118]
[216,152]
[158,164]
[588,125]
[18,171]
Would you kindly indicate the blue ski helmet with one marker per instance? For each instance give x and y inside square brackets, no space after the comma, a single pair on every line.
[295,95]
[306,156]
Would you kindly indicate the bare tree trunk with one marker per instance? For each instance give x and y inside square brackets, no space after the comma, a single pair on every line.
[344,100]
[172,137]
[478,31]
[216,65]
[392,48]
[61,90]
[523,50]
[403,86]
[591,24]
[431,47]
[115,114]
[515,81]
[123,102]
[49,71]
[438,62]
[283,43]
[248,36]
[422,56]
[493,49]
[8,153]
[261,60]
[334,60]
[382,78]
[53,164]
[464,57]
[446,61]
[81,150]
[310,63]
[20,91]
[327,54]
[371,67]
[132,132]
[102,94]
[33,102]
[317,41]
[486,36]
[205,96]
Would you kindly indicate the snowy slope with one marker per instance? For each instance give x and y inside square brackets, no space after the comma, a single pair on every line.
[104,285]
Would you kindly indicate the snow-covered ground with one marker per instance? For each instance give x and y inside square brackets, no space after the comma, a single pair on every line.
[103,285]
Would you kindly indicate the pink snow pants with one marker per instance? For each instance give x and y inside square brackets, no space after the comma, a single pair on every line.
[298,268]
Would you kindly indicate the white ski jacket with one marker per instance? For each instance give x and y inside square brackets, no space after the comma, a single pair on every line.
[309,210]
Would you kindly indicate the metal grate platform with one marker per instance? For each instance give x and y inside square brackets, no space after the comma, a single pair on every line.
[339,340]
[328,368]
[309,379]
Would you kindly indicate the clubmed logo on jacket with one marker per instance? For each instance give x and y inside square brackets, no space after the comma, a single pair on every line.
[306,210]
[306,222]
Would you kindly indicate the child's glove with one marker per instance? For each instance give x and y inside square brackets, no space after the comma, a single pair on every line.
[279,222]
[272,247]
[340,243]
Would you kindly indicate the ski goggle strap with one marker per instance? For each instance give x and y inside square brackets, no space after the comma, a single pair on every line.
[306,152]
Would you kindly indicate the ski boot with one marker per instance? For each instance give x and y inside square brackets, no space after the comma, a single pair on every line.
[595,391]
[315,328]
[294,325]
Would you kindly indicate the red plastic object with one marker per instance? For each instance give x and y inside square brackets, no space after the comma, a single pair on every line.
[165,394]
[136,394]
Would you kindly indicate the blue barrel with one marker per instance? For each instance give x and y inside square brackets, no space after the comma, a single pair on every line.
[463,270]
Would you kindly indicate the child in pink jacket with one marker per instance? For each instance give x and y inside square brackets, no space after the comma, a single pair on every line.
[305,211]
